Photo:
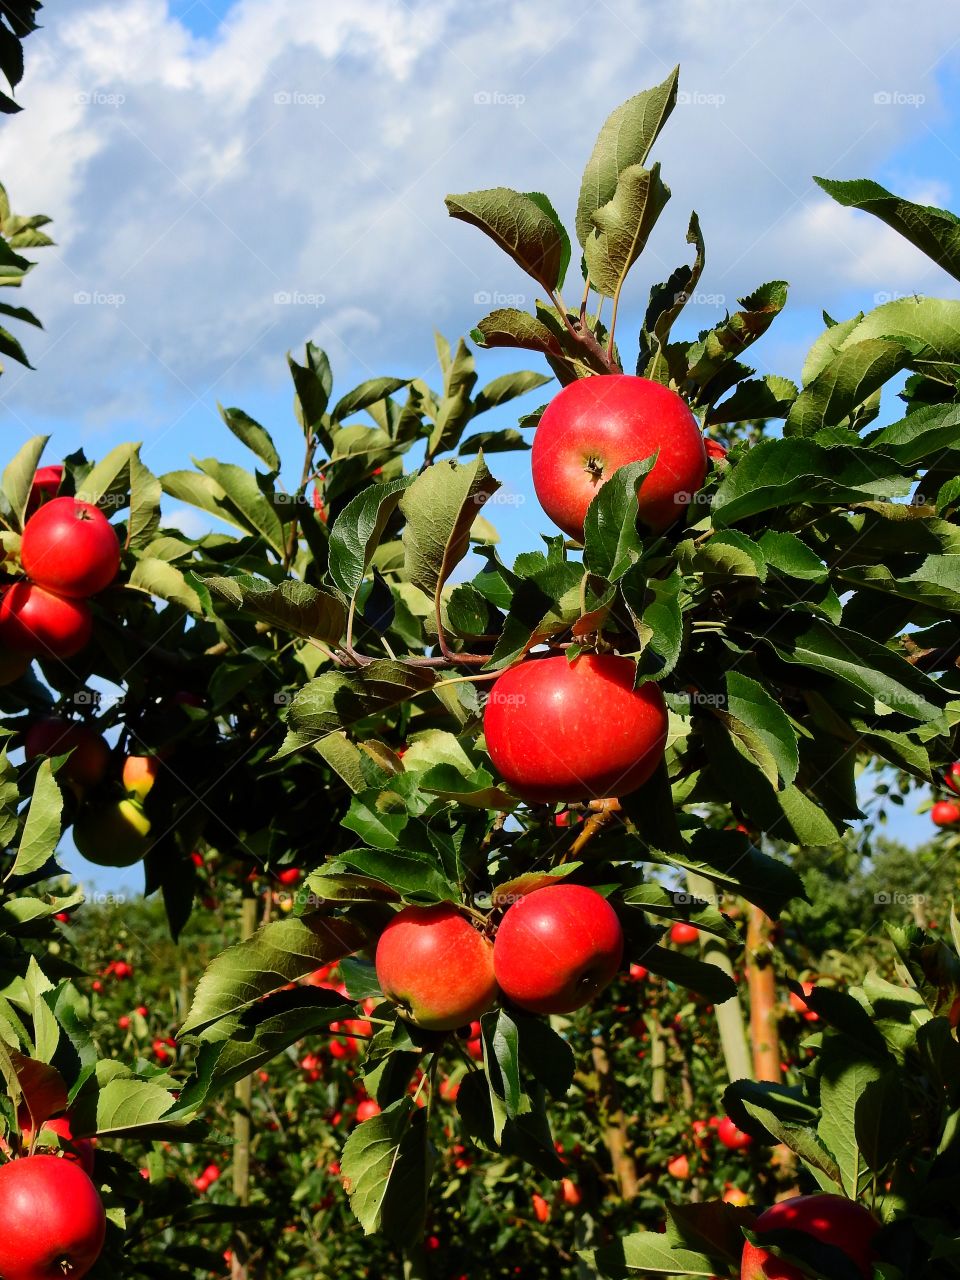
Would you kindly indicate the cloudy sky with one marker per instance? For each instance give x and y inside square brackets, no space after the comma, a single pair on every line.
[228,180]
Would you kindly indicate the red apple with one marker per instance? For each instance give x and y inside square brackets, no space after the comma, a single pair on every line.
[123,1022]
[540,1208]
[367,1109]
[951,776]
[559,730]
[80,1150]
[683,934]
[716,449]
[679,1167]
[90,755]
[289,875]
[436,967]
[51,1220]
[70,547]
[945,813]
[800,1005]
[33,620]
[557,948]
[598,424]
[46,482]
[733,1139]
[139,775]
[829,1219]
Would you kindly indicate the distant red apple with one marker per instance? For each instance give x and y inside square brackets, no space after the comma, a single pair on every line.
[33,620]
[716,449]
[289,875]
[800,1005]
[367,1109]
[679,1167]
[90,755]
[540,1208]
[945,813]
[951,776]
[123,1022]
[436,967]
[683,934]
[52,1221]
[638,973]
[733,1139]
[70,547]
[558,948]
[595,425]
[559,730]
[44,486]
[829,1219]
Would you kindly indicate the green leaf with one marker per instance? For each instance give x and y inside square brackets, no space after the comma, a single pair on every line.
[385,1171]
[750,703]
[440,508]
[124,1104]
[501,1060]
[667,300]
[930,327]
[801,1139]
[625,140]
[242,492]
[507,387]
[786,553]
[622,227]
[729,554]
[882,1122]
[313,383]
[163,579]
[851,377]
[278,953]
[779,473]
[336,700]
[707,980]
[255,437]
[756,399]
[368,393]
[456,408]
[857,661]
[413,875]
[521,226]
[926,432]
[291,605]
[652,1254]
[720,346]
[18,477]
[842,1084]
[654,606]
[509,327]
[145,494]
[41,830]
[611,541]
[934,231]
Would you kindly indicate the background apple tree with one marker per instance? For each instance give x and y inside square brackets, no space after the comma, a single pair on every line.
[311,674]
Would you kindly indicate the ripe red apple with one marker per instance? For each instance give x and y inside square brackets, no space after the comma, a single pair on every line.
[436,967]
[679,1167]
[90,755]
[123,1022]
[367,1109]
[829,1219]
[951,776]
[598,424]
[683,934]
[716,449]
[540,1208]
[70,547]
[139,775]
[33,620]
[798,1004]
[81,1149]
[733,1139]
[289,875]
[46,482]
[113,835]
[557,948]
[51,1220]
[945,813]
[559,730]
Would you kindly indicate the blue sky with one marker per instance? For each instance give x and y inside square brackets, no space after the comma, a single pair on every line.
[205,162]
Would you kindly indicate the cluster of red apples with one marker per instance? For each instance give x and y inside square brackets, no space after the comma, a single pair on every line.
[946,813]
[69,552]
[570,731]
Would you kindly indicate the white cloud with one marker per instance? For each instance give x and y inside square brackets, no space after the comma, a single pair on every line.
[307,148]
